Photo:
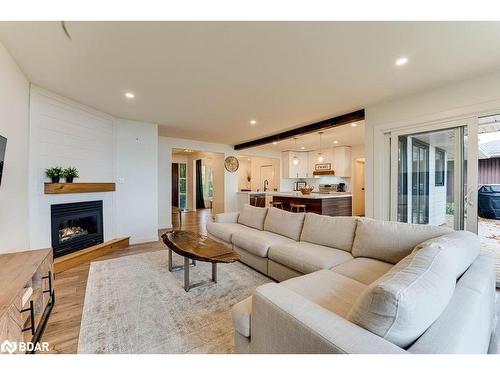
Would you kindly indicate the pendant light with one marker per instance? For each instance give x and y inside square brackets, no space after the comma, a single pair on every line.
[321,158]
[295,159]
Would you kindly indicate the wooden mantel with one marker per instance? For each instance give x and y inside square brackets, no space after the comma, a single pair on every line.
[79,187]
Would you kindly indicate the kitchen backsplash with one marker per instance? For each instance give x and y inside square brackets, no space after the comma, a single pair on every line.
[287,184]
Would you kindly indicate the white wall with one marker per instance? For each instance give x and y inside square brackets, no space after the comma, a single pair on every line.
[136,171]
[65,133]
[103,149]
[14,125]
[480,95]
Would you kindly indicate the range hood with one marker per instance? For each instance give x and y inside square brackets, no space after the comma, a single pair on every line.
[326,172]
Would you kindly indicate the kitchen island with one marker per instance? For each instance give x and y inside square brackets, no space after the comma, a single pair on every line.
[333,204]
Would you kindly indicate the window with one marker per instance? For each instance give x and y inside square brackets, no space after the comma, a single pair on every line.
[440,167]
[207,177]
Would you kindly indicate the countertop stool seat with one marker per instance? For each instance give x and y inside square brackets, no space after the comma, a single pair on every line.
[298,207]
[276,204]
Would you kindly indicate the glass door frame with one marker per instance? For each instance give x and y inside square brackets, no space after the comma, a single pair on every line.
[471,155]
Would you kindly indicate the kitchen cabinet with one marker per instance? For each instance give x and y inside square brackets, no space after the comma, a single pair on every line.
[313,160]
[342,164]
[291,170]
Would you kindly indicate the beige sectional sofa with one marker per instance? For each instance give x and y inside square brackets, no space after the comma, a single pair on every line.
[357,285]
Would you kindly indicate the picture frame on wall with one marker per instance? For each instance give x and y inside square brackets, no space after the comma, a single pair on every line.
[323,167]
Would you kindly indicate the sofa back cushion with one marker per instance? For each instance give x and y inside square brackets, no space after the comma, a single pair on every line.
[286,223]
[252,216]
[337,232]
[403,303]
[390,241]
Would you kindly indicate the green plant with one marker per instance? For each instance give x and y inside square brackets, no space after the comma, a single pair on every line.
[54,172]
[70,172]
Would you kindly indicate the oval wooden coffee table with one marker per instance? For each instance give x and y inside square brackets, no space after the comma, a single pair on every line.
[199,247]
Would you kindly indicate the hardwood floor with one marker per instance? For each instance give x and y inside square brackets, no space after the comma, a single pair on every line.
[63,326]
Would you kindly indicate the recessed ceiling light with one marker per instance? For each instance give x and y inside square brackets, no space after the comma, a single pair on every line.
[353,125]
[130,95]
[186,150]
[302,148]
[335,142]
[275,143]
[253,122]
[401,61]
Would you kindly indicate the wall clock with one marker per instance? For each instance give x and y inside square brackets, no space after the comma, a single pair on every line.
[231,163]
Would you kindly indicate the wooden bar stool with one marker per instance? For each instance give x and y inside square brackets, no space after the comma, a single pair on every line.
[276,204]
[297,207]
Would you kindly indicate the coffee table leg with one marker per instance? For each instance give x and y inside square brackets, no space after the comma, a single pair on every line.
[170,260]
[186,274]
[214,272]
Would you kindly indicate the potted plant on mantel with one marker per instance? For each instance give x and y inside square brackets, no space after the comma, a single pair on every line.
[54,173]
[70,173]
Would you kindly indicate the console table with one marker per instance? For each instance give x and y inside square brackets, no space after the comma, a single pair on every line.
[26,295]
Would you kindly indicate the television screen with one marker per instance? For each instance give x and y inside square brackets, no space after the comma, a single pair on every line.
[3,145]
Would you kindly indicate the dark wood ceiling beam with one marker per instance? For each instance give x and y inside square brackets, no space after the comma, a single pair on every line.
[311,128]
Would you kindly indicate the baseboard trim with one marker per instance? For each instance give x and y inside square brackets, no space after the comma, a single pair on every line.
[86,255]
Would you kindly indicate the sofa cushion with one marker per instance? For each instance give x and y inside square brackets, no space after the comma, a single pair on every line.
[241,313]
[404,302]
[337,232]
[225,231]
[328,289]
[391,241]
[257,242]
[252,216]
[364,270]
[286,223]
[465,246]
[307,257]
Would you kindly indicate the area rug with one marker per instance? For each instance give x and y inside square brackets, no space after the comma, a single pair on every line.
[133,304]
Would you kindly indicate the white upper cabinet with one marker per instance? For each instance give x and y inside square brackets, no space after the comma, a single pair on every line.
[292,170]
[314,159]
[342,161]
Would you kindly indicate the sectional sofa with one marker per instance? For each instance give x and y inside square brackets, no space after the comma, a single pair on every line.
[357,285]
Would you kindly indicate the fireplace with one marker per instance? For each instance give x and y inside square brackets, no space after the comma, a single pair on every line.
[76,226]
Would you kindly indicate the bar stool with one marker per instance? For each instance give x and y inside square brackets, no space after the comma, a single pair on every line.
[297,207]
[276,204]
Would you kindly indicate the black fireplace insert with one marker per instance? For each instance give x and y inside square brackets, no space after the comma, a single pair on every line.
[76,226]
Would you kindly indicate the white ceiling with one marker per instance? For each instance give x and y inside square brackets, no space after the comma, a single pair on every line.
[207,80]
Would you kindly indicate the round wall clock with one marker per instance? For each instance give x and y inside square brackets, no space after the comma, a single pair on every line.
[231,163]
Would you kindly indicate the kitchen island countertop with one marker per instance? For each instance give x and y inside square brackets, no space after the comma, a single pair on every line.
[298,194]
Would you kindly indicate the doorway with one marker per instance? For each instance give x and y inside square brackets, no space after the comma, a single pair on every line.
[429,176]
[359,188]
[488,210]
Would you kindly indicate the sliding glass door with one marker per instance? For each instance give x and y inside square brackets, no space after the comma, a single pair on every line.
[429,175]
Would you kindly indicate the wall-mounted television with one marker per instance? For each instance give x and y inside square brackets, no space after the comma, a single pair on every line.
[3,146]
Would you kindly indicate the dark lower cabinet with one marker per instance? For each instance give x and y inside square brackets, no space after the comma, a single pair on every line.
[341,206]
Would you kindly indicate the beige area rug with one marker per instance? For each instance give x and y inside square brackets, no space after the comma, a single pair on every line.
[133,304]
